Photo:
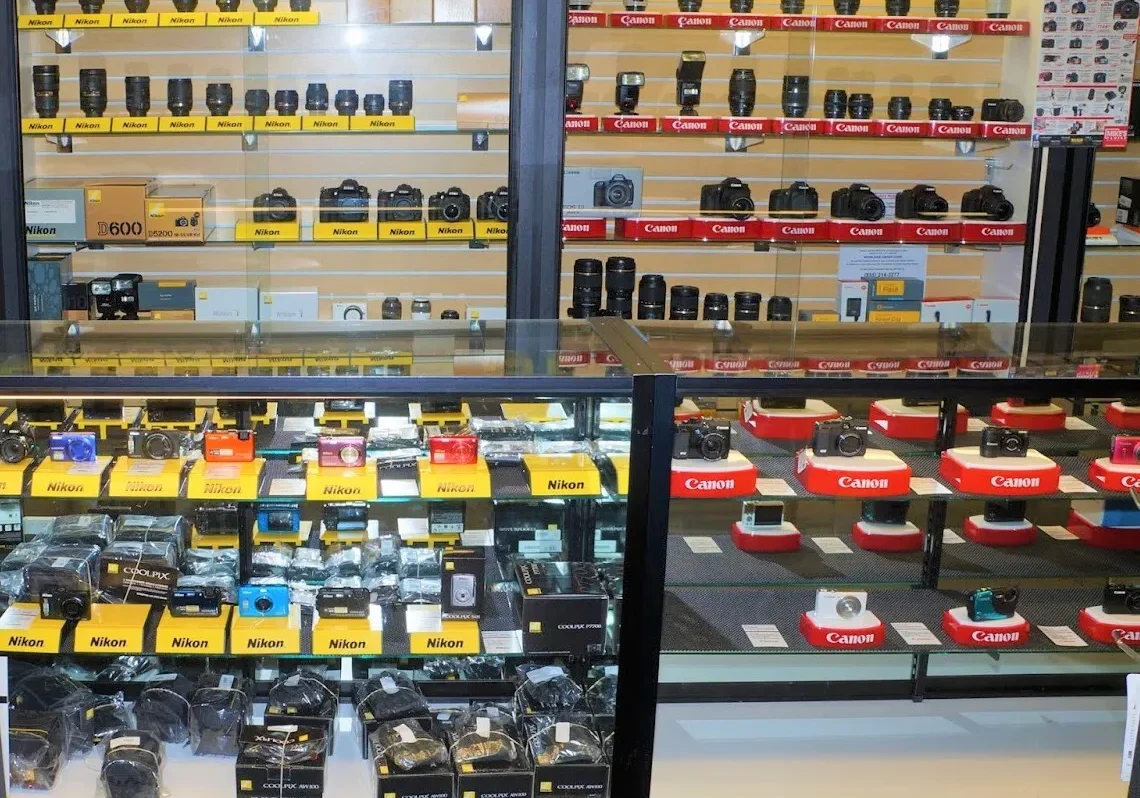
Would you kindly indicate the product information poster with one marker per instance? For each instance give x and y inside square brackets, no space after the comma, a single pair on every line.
[1084,80]
[883,263]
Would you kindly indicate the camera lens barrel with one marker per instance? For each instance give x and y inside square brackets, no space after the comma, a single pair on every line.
[219,98]
[257,102]
[939,109]
[741,6]
[421,309]
[716,307]
[742,92]
[228,6]
[998,9]
[962,113]
[651,297]
[620,274]
[93,91]
[347,102]
[317,97]
[746,306]
[286,101]
[846,8]
[137,94]
[450,315]
[860,105]
[180,96]
[391,309]
[946,8]
[779,308]
[45,85]
[1096,300]
[185,6]
[690,6]
[44,6]
[1129,308]
[898,8]
[684,302]
[265,5]
[136,6]
[899,107]
[834,104]
[90,6]
[586,299]
[796,95]
[400,97]
[374,104]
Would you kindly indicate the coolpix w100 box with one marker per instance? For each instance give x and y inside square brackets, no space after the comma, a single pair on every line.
[563,608]
[259,770]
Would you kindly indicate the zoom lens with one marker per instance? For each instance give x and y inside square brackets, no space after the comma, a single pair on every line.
[421,309]
[257,102]
[44,6]
[779,308]
[946,8]
[219,98]
[746,306]
[791,6]
[1096,300]
[899,107]
[962,113]
[45,85]
[90,6]
[684,301]
[621,274]
[137,94]
[449,315]
[185,6]
[300,5]
[286,102]
[846,8]
[586,298]
[391,309]
[716,307]
[317,98]
[347,102]
[228,6]
[374,104]
[93,91]
[834,104]
[265,5]
[651,297]
[741,6]
[860,106]
[136,6]
[742,92]
[180,96]
[1129,309]
[898,8]
[400,97]
[796,95]
[939,109]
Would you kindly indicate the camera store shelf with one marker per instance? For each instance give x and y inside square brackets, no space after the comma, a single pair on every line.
[198,19]
[210,125]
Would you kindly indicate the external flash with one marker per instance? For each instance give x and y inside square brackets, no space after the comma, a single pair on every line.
[628,92]
[689,74]
[576,77]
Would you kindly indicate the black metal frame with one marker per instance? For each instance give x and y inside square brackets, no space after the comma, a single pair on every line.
[14,300]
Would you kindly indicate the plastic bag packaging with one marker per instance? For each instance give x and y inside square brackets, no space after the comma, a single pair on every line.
[547,689]
[344,581]
[306,566]
[36,742]
[164,709]
[303,594]
[47,690]
[407,747]
[553,430]
[302,693]
[602,695]
[272,560]
[387,696]
[482,667]
[117,587]
[12,567]
[380,556]
[62,567]
[563,742]
[486,745]
[109,714]
[343,561]
[132,765]
[127,668]
[285,745]
[385,589]
[439,669]
[503,438]
[174,529]
[227,583]
[218,709]
[396,439]
[420,563]
[420,591]
[89,529]
[210,562]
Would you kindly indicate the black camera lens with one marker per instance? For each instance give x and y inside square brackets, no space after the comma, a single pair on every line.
[939,109]
[265,5]
[1096,300]
[136,6]
[391,309]
[834,104]
[93,91]
[219,98]
[400,97]
[779,308]
[899,108]
[257,102]
[684,301]
[791,6]
[898,8]
[44,6]
[180,96]
[286,102]
[374,104]
[620,275]
[300,5]
[317,98]
[347,102]
[796,95]
[690,6]
[716,307]
[228,6]
[741,6]
[742,92]
[860,105]
[185,6]
[90,6]
[651,297]
[946,8]
[846,7]
[962,113]
[137,94]
[1129,309]
[450,315]
[746,306]
[586,299]
[45,85]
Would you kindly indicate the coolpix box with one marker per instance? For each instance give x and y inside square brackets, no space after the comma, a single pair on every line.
[275,715]
[47,274]
[53,210]
[1128,202]
[581,779]
[179,214]
[482,783]
[463,580]
[532,530]
[167,295]
[389,783]
[260,778]
[563,608]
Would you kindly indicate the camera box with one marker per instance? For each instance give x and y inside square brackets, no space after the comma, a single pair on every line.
[289,305]
[488,11]
[411,10]
[602,191]
[453,11]
[163,295]
[896,290]
[852,301]
[533,531]
[563,608]
[54,210]
[463,580]
[115,210]
[817,315]
[897,311]
[47,274]
[261,777]
[179,214]
[275,715]
[231,303]
[437,782]
[368,12]
[479,782]
[76,302]
[1134,111]
[996,311]
[1128,202]
[956,310]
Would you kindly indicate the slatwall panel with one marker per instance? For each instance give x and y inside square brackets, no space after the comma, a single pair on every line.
[441,59]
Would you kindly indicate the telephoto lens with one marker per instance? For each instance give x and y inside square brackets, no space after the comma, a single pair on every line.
[45,85]
[180,96]
[796,95]
[716,307]
[137,94]
[317,98]
[44,6]
[137,6]
[421,309]
[860,106]
[690,6]
[899,107]
[450,315]
[846,8]
[684,302]
[347,102]
[962,113]
[939,109]
[586,299]
[946,8]
[998,9]
[391,309]
[400,97]
[1129,309]
[90,6]
[286,102]
[791,6]
[374,104]
[741,6]
[228,6]
[257,102]
[265,5]
[300,5]
[779,308]
[620,275]
[1096,300]
[219,98]
[742,92]
[746,306]
[651,297]
[185,6]
[898,8]
[834,104]
[93,91]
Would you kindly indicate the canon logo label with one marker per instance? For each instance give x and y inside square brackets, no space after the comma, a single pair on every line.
[932,365]
[868,232]
[636,20]
[978,636]
[863,483]
[695,125]
[851,24]
[852,127]
[577,18]
[1005,27]
[682,365]
[1006,130]
[571,227]
[902,25]
[984,365]
[692,483]
[796,23]
[729,229]
[729,365]
[949,26]
[797,127]
[662,228]
[1131,635]
[735,22]
[784,365]
[998,232]
[953,130]
[745,126]
[850,640]
[932,231]
[884,365]
[579,123]
[628,123]
[998,481]
[1130,482]
[832,365]
[797,231]
[903,128]
[693,21]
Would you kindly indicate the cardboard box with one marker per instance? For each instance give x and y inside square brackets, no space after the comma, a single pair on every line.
[1128,202]
[237,303]
[76,302]
[289,305]
[453,11]
[956,310]
[258,778]
[563,608]
[171,315]
[483,110]
[895,289]
[492,11]
[411,10]
[166,295]
[818,315]
[47,274]
[851,304]
[461,593]
[368,12]
[603,191]
[495,784]
[996,311]
[179,214]
[115,210]
[54,210]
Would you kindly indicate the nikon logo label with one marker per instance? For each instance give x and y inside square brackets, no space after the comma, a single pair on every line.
[108,642]
[261,642]
[132,21]
[40,125]
[340,490]
[83,21]
[443,642]
[400,231]
[188,642]
[456,487]
[228,124]
[565,484]
[83,124]
[39,230]
[267,232]
[36,22]
[24,642]
[346,231]
[182,19]
[279,123]
[134,124]
[287,19]
[183,124]
[64,487]
[340,644]
[230,19]
[452,231]
[221,489]
[318,122]
[143,487]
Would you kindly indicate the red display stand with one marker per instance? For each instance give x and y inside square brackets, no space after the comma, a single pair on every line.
[1122,416]
[999,533]
[785,425]
[654,229]
[847,231]
[725,228]
[902,129]
[1114,476]
[795,126]
[865,631]
[1088,525]
[1102,626]
[887,537]
[713,479]
[584,228]
[917,231]
[796,229]
[767,539]
[894,420]
[1032,475]
[1004,633]
[977,232]
[743,125]
[698,125]
[876,474]
[630,123]
[686,411]
[849,127]
[576,123]
[1049,418]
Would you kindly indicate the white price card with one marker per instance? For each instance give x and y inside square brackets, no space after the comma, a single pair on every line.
[703,545]
[1073,423]
[831,545]
[1058,533]
[764,635]
[928,486]
[770,486]
[287,487]
[916,634]
[223,471]
[1063,636]
[296,424]
[503,642]
[1070,484]
[146,468]
[975,424]
[477,537]
[950,537]
[1130,726]
[423,618]
[86,469]
[16,617]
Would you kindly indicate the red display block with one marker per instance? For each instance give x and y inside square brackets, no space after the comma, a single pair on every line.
[929,366]
[742,22]
[694,125]
[1003,633]
[725,229]
[949,25]
[795,229]
[954,130]
[728,365]
[1122,416]
[1088,525]
[786,126]
[979,232]
[681,20]
[792,22]
[893,419]
[781,366]
[568,360]
[767,539]
[877,473]
[586,19]
[887,537]
[628,19]
[684,364]
[1114,476]
[999,533]
[1006,130]
[1104,627]
[607,359]
[1032,475]
[902,128]
[845,230]
[1050,418]
[919,231]
[743,126]
[975,366]
[846,22]
[900,25]
[629,123]
[576,123]
[849,127]
[686,411]
[1001,27]
[785,425]
[864,631]
[583,228]
[654,229]
[889,367]
[832,367]
[713,479]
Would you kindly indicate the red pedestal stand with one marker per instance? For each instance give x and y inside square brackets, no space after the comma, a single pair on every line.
[1004,633]
[1089,526]
[686,411]
[782,537]
[865,631]
[878,473]
[999,533]
[713,479]
[890,417]
[785,425]
[1102,626]
[1122,416]
[1035,419]
[1032,475]
[1114,476]
[887,537]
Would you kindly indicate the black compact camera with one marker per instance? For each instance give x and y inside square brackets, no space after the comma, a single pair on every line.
[1126,9]
[276,206]
[839,438]
[1121,599]
[1000,512]
[65,605]
[1002,109]
[857,202]
[885,512]
[797,201]
[196,602]
[156,444]
[217,519]
[16,444]
[170,411]
[988,202]
[1002,442]
[405,204]
[346,516]
[344,204]
[617,192]
[343,602]
[782,403]
[228,408]
[730,197]
[920,202]
[449,206]
[911,401]
[494,206]
[698,439]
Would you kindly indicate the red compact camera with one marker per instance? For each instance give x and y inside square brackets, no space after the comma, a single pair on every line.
[231,446]
[453,449]
[340,451]
[1125,449]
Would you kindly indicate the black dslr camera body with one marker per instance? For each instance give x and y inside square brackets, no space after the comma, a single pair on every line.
[797,201]
[494,206]
[1002,109]
[920,202]
[405,204]
[857,202]
[1121,599]
[699,439]
[730,197]
[1126,9]
[987,201]
[344,204]
[888,513]
[839,438]
[1002,442]
[617,192]
[276,206]
[449,206]
[1004,512]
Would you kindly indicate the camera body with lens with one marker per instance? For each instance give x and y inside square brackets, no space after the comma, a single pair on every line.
[730,197]
[449,206]
[797,201]
[701,439]
[1126,9]
[344,204]
[991,603]
[494,206]
[839,438]
[1121,599]
[263,601]
[1000,512]
[72,447]
[920,202]
[617,192]
[857,202]
[1003,442]
[16,444]
[988,201]
[888,513]
[404,204]
[157,444]
[65,605]
[1002,109]
[275,206]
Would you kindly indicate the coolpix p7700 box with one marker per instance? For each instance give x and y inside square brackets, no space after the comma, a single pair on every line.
[563,609]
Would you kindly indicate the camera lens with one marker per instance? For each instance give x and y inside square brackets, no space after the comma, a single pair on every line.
[180,96]
[651,297]
[1129,308]
[586,299]
[791,6]
[899,108]
[93,91]
[1096,300]
[998,9]
[137,94]
[265,5]
[185,6]
[286,102]
[690,6]
[716,307]
[137,6]
[228,6]
[779,308]
[90,6]
[620,274]
[391,309]
[834,103]
[450,315]
[741,6]
[746,306]
[421,309]
[44,6]
[962,113]
[317,97]
[946,8]
[684,301]
[795,98]
[742,92]
[347,102]
[257,102]
[300,5]
[898,8]
[45,85]
[374,104]
[939,109]
[219,98]
[400,97]
[860,106]
[846,7]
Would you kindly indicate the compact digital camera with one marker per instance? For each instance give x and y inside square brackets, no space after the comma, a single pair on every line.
[340,451]
[343,602]
[74,447]
[196,602]
[229,446]
[1004,512]
[1003,442]
[1125,449]
[217,519]
[1121,599]
[157,444]
[700,439]
[263,601]
[992,603]
[346,516]
[279,518]
[839,438]
[840,604]
[16,444]
[754,514]
[889,513]
[463,587]
[65,605]
[453,449]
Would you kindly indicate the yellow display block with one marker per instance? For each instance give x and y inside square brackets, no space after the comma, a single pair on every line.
[200,541]
[451,231]
[112,629]
[84,21]
[456,637]
[342,420]
[401,231]
[234,481]
[39,21]
[534,412]
[435,540]
[12,478]
[134,124]
[455,481]
[267,231]
[490,231]
[288,18]
[562,475]
[146,479]
[340,484]
[228,124]
[281,361]
[384,124]
[54,479]
[200,635]
[229,19]
[297,538]
[334,637]
[267,635]
[181,124]
[277,124]
[22,629]
[82,124]
[145,20]
[382,359]
[321,124]
[191,19]
[221,422]
[620,463]
[101,425]
[344,231]
[35,126]
[462,417]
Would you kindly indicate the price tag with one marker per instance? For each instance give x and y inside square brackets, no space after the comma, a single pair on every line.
[86,469]
[1063,636]
[831,545]
[1070,484]
[774,487]
[916,634]
[287,487]
[764,635]
[949,536]
[562,732]
[222,471]
[1130,726]
[1073,423]
[477,537]
[19,618]
[146,468]
[295,424]
[388,685]
[424,618]
[503,642]
[483,727]
[975,425]
[406,734]
[1058,533]
[928,486]
[703,546]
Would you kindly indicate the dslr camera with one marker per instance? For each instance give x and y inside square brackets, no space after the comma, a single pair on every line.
[1121,599]
[991,603]
[196,602]
[276,206]
[857,202]
[449,206]
[730,197]
[16,444]
[699,439]
[988,202]
[1126,9]
[797,201]
[920,202]
[344,204]
[65,605]
[1002,442]
[405,204]
[72,447]
[839,438]
[156,444]
[263,601]
[617,192]
[494,205]
[1002,109]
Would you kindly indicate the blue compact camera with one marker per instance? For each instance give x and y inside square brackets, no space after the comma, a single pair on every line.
[74,447]
[263,601]
[991,604]
[279,518]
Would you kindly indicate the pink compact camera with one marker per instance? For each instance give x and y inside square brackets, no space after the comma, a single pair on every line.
[1125,449]
[340,451]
